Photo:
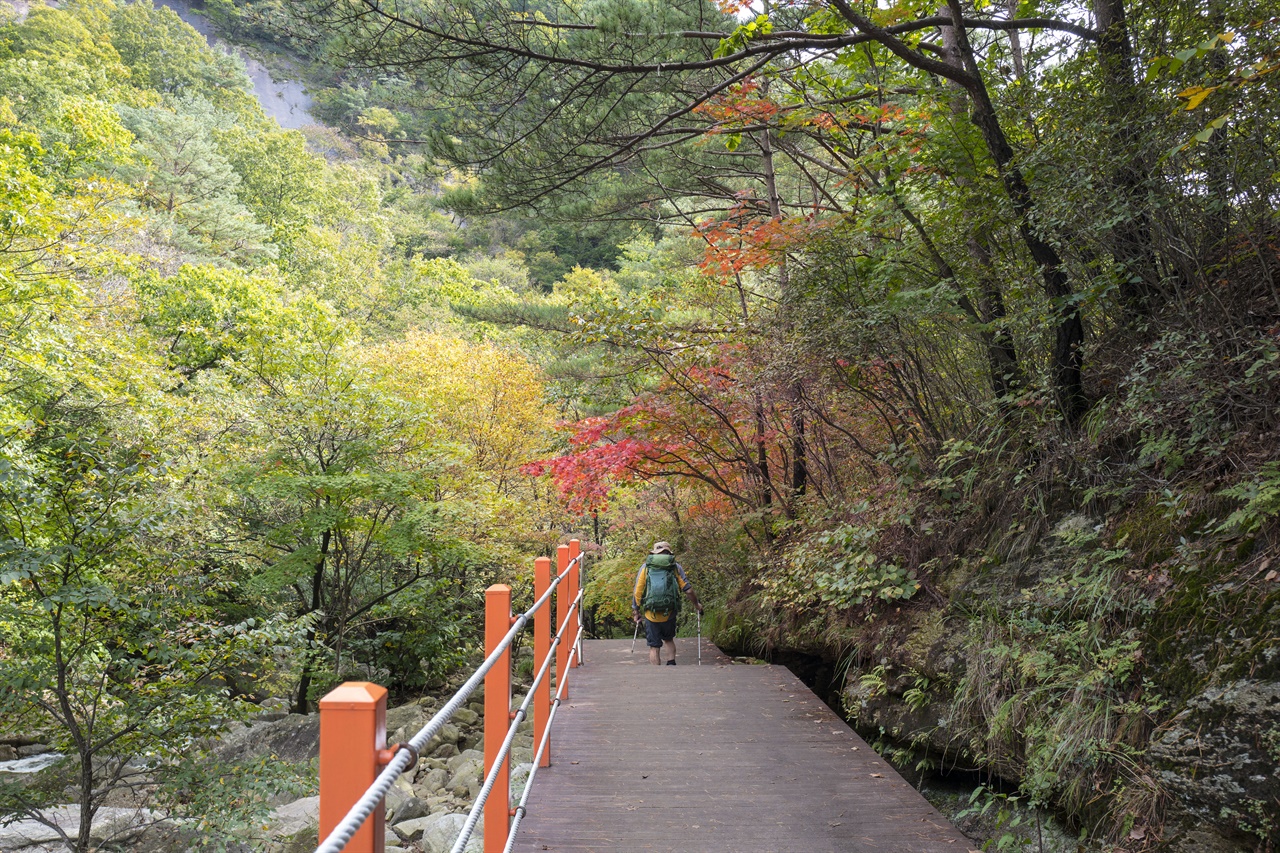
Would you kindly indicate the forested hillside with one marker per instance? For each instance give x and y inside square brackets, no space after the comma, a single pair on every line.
[942,340]
[246,449]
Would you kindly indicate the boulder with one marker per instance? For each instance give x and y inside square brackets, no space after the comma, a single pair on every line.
[293,818]
[432,782]
[110,824]
[405,721]
[411,830]
[465,717]
[519,776]
[1219,763]
[462,758]
[411,808]
[294,739]
[400,793]
[437,833]
[467,777]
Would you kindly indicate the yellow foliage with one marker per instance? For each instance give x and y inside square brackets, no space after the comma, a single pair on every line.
[585,286]
[485,399]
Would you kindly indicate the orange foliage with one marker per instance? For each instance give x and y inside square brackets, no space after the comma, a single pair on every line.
[745,241]
[741,104]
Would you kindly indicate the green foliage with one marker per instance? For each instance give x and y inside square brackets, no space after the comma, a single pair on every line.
[744,34]
[839,568]
[1049,688]
[1005,812]
[190,184]
[1261,496]
[232,465]
[610,588]
[113,647]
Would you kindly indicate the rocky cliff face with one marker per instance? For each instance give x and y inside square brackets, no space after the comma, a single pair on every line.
[1135,691]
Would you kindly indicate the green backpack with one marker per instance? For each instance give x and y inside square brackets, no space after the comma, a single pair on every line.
[662,585]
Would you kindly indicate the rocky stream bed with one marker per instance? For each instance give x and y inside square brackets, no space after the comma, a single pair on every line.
[425,809]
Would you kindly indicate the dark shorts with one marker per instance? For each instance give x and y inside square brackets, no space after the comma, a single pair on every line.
[655,633]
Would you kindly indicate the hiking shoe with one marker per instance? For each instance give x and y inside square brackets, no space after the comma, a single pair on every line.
[671,663]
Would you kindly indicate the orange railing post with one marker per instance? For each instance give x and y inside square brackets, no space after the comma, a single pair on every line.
[497,717]
[542,648]
[564,600]
[575,583]
[353,728]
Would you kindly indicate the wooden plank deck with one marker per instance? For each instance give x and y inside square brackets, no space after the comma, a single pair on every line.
[720,757]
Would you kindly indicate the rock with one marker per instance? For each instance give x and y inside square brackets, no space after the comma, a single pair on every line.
[272,709]
[462,758]
[448,734]
[1215,763]
[399,794]
[296,817]
[447,750]
[110,825]
[7,753]
[437,833]
[467,777]
[465,717]
[519,776]
[411,808]
[405,722]
[33,749]
[432,782]
[441,803]
[295,740]
[411,830]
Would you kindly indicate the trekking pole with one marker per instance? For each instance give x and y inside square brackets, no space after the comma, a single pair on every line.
[634,637]
[699,638]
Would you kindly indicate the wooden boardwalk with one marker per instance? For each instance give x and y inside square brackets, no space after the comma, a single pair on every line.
[720,757]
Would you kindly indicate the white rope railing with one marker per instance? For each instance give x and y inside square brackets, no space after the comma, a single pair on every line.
[359,813]
[473,817]
[522,807]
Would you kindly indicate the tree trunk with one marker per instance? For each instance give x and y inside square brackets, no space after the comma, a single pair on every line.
[1216,160]
[1131,248]
[1002,353]
[1003,368]
[1067,356]
[301,704]
[795,393]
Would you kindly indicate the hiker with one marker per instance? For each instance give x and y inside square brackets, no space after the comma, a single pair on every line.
[657,592]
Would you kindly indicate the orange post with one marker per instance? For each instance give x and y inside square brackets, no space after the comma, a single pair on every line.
[541,648]
[497,717]
[564,598]
[575,583]
[353,728]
